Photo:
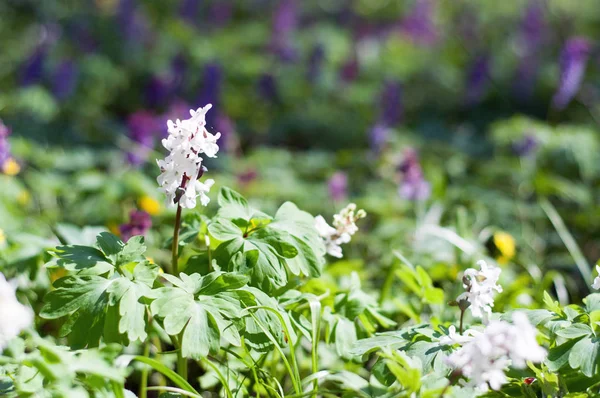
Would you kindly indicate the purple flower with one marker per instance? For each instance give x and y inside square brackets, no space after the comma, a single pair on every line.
[285,20]
[350,69]
[391,103]
[32,71]
[157,91]
[338,186]
[142,127]
[533,36]
[267,88]
[573,60]
[64,79]
[533,26]
[133,22]
[526,146]
[413,185]
[378,137]
[139,223]
[211,90]
[247,177]
[188,11]
[4,144]
[221,13]
[315,63]
[477,79]
[419,25]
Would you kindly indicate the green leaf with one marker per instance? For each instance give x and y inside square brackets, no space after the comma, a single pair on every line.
[202,309]
[110,245]
[574,331]
[81,259]
[584,356]
[235,207]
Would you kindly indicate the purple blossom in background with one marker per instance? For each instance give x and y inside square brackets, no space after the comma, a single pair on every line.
[477,79]
[211,90]
[285,21]
[64,80]
[32,71]
[247,177]
[573,60]
[225,126]
[188,11]
[418,25]
[315,63]
[532,37]
[142,126]
[267,88]
[4,144]
[350,69]
[139,224]
[221,13]
[526,146]
[413,185]
[157,91]
[133,23]
[378,137]
[391,103]
[338,186]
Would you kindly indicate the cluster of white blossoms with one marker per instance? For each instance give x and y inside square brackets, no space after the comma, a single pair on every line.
[480,286]
[182,168]
[344,226]
[14,316]
[484,357]
[596,284]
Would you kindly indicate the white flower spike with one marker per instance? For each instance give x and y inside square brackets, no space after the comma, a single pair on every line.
[596,284]
[181,169]
[480,286]
[344,226]
[14,316]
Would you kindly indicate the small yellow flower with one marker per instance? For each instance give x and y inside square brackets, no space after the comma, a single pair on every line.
[505,244]
[149,205]
[113,227]
[2,237]
[11,167]
[24,198]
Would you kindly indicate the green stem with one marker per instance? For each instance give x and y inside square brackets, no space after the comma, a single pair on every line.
[220,377]
[181,360]
[145,372]
[175,248]
[462,315]
[175,390]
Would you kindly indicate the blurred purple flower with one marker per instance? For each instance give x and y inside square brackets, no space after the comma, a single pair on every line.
[64,79]
[418,25]
[573,60]
[142,126]
[413,185]
[211,90]
[157,91]
[338,186]
[391,103]
[350,69]
[225,126]
[139,224]
[133,23]
[533,26]
[285,21]
[221,13]
[378,137]
[188,10]
[267,88]
[32,70]
[247,177]
[315,63]
[526,146]
[532,37]
[477,79]
[4,144]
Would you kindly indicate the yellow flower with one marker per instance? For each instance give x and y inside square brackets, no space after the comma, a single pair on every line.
[2,237]
[505,244]
[114,228]
[24,197]
[149,205]
[11,167]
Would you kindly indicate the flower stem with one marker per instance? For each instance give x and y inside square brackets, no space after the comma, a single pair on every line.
[175,248]
[145,372]
[462,315]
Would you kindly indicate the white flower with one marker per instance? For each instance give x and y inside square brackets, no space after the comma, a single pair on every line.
[484,359]
[455,338]
[596,284]
[480,286]
[14,316]
[345,226]
[180,170]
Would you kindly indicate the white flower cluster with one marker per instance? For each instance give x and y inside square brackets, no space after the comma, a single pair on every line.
[596,284]
[14,316]
[344,226]
[484,358]
[455,338]
[480,286]
[182,168]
